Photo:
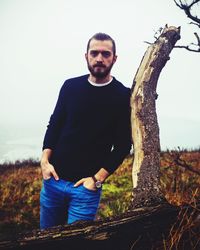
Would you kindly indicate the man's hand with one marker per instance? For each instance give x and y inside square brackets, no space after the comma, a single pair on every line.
[87,182]
[48,171]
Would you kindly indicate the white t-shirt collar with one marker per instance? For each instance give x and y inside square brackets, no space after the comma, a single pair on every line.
[100,84]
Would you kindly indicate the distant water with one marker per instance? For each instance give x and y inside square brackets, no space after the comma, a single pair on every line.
[20,149]
[20,143]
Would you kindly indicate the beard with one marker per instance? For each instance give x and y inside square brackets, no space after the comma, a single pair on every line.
[99,70]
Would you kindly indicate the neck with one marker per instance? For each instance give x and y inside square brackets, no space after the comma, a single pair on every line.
[100,80]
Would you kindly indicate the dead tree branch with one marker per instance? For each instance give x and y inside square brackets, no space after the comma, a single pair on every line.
[176,158]
[187,8]
[188,47]
[140,228]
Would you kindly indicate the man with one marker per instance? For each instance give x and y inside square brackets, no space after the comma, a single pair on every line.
[87,138]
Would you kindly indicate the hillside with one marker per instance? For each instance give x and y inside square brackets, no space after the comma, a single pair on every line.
[20,185]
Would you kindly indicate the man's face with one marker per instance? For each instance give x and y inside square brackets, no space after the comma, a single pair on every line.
[100,58]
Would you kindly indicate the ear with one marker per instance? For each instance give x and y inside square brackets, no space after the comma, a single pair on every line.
[114,58]
[86,56]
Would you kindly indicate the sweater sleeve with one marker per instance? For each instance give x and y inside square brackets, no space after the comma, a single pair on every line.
[56,121]
[122,137]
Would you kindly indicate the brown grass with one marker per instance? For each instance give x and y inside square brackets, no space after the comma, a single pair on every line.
[20,186]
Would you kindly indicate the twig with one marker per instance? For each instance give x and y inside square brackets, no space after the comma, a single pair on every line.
[187,9]
[183,164]
[176,158]
[187,48]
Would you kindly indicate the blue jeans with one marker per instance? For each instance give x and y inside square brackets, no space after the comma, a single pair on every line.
[61,203]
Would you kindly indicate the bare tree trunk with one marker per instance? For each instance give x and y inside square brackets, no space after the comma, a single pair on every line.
[145,129]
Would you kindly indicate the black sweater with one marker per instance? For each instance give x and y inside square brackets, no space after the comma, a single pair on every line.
[89,128]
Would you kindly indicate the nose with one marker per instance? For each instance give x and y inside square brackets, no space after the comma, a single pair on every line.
[99,57]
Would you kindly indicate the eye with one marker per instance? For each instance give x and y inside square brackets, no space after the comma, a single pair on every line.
[106,54]
[94,53]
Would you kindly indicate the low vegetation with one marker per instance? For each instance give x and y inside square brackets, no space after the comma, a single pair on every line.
[20,185]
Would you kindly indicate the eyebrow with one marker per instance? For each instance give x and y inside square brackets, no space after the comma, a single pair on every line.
[105,53]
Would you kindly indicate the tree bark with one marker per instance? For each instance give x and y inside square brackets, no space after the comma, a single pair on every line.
[141,228]
[145,129]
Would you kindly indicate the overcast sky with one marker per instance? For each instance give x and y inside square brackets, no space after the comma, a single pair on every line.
[43,43]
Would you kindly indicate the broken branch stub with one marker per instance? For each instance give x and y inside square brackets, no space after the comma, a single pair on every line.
[145,129]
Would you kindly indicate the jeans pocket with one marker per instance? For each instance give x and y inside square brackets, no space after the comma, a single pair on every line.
[47,179]
[90,190]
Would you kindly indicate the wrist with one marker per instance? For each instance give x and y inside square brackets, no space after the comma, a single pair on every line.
[46,154]
[98,183]
[98,178]
[101,175]
[44,162]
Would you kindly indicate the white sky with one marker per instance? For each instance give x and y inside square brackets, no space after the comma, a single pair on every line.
[43,43]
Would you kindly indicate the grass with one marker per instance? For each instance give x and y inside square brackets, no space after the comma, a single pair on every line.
[180,176]
[117,191]
[20,185]
[19,192]
[184,234]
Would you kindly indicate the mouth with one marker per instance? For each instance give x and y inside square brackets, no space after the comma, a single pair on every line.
[99,66]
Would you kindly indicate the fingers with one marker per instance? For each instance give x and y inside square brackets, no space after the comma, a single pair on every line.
[87,182]
[48,171]
[53,172]
[46,174]
[78,183]
[55,175]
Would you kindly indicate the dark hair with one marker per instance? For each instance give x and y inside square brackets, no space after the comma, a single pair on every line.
[102,37]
